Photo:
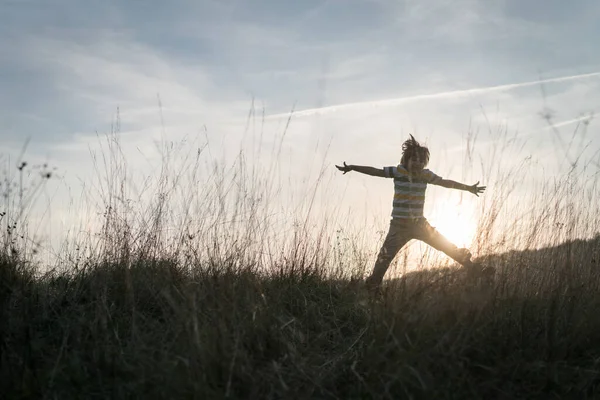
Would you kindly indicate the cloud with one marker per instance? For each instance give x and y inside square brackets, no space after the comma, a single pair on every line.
[192,69]
[442,95]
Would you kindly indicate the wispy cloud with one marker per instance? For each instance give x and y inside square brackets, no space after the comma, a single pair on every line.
[369,71]
[440,95]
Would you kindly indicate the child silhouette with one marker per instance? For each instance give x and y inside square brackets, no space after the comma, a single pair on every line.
[410,182]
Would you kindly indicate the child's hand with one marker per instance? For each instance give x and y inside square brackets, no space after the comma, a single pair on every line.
[345,168]
[476,189]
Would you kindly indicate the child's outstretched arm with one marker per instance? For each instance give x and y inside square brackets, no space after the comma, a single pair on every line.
[448,183]
[362,169]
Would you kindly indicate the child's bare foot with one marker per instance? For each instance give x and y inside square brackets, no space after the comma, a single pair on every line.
[464,255]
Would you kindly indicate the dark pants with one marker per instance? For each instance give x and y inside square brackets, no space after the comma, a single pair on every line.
[401,231]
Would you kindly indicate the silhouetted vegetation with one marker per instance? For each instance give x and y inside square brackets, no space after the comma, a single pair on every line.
[205,314]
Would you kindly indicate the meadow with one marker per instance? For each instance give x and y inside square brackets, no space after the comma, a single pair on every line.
[190,295]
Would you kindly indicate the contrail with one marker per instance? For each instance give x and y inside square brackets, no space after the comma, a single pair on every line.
[441,95]
[584,118]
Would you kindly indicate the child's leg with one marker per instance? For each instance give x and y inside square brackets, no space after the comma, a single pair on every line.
[398,235]
[432,237]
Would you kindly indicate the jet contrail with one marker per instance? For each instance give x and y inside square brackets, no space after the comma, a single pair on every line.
[441,95]
[584,118]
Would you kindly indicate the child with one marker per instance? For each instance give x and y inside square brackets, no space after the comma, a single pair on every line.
[408,222]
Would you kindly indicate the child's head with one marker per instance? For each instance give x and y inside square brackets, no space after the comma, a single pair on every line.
[414,156]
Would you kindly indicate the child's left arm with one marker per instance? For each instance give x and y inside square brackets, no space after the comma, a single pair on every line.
[448,183]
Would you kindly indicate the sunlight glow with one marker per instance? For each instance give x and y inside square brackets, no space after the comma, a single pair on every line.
[458,226]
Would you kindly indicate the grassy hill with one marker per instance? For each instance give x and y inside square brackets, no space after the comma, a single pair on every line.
[224,288]
[153,328]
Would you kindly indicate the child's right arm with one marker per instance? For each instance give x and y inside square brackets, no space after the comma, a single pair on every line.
[362,169]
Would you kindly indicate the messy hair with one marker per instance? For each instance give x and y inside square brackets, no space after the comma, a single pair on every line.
[412,148]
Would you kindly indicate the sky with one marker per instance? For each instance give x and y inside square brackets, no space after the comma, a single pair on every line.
[350,80]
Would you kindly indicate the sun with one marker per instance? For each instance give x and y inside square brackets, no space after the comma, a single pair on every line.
[458,226]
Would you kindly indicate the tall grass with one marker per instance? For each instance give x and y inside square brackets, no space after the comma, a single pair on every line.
[203,282]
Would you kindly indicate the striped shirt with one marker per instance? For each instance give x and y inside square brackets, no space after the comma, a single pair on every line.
[409,191]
